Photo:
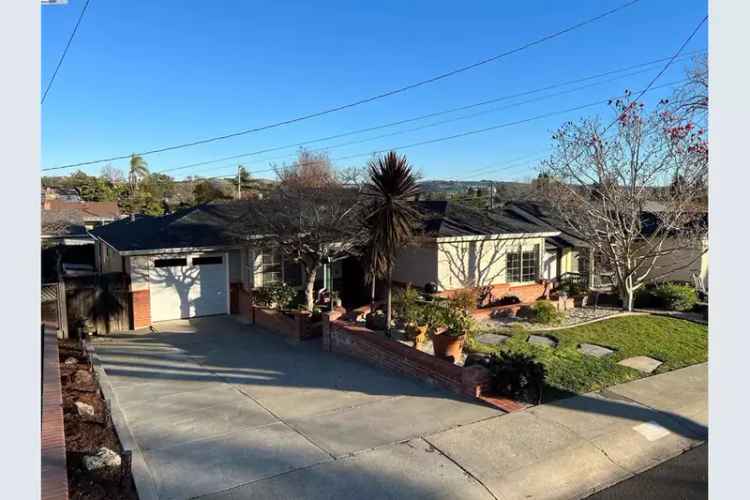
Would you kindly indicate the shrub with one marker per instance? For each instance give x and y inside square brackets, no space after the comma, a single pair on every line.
[517,375]
[466,299]
[279,296]
[507,300]
[675,297]
[572,288]
[406,305]
[542,312]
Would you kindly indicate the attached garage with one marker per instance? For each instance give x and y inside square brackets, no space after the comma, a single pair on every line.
[187,286]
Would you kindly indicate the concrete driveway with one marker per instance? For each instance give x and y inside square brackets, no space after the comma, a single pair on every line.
[223,410]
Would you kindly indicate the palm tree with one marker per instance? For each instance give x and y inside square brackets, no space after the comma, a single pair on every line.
[138,171]
[391,218]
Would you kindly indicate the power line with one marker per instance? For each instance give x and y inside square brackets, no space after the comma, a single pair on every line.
[436,113]
[364,100]
[65,50]
[477,131]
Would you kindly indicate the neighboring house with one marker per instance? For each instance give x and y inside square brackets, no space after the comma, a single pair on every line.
[90,213]
[564,254]
[463,247]
[190,263]
[568,253]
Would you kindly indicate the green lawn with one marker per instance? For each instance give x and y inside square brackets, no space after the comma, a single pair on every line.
[678,343]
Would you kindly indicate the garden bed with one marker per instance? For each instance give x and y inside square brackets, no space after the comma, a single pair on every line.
[675,343]
[571,317]
[83,436]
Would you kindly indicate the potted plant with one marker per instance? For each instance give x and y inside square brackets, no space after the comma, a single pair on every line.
[410,315]
[449,330]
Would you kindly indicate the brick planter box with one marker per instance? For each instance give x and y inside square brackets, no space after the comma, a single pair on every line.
[295,325]
[353,340]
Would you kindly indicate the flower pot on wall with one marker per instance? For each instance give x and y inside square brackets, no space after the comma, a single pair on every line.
[447,345]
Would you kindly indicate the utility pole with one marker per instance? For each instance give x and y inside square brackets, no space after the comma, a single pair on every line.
[239,182]
[492,195]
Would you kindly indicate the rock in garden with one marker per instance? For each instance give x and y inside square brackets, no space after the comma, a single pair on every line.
[643,364]
[84,409]
[542,340]
[104,458]
[71,361]
[82,377]
[492,338]
[594,350]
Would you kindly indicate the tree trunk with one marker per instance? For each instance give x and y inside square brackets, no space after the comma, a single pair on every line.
[627,295]
[310,288]
[388,311]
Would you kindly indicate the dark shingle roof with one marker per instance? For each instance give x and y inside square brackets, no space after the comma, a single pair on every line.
[445,219]
[545,216]
[205,225]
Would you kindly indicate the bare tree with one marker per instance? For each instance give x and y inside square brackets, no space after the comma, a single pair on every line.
[614,191]
[690,101]
[311,217]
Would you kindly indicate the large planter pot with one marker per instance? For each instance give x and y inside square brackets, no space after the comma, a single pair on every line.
[448,346]
[418,334]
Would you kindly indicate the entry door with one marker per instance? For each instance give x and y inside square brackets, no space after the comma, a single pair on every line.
[188,286]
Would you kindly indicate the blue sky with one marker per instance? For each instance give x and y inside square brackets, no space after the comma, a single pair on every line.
[143,74]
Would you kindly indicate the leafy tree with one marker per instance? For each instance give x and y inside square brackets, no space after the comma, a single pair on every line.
[206,191]
[391,220]
[603,185]
[137,172]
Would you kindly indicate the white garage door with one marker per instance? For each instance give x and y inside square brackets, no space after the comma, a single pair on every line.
[188,286]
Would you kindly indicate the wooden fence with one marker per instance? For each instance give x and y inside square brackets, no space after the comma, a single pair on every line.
[102,301]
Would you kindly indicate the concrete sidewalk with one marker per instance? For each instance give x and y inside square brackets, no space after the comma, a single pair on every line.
[577,446]
[564,450]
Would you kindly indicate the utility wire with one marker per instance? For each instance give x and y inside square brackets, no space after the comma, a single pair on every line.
[439,113]
[367,99]
[65,50]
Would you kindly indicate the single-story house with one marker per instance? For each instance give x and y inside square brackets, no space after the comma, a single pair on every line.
[564,254]
[189,263]
[464,247]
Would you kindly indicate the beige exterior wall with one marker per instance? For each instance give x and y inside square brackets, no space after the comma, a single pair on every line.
[417,265]
[137,267]
[467,263]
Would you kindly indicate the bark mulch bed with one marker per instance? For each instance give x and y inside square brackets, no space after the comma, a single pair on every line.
[85,435]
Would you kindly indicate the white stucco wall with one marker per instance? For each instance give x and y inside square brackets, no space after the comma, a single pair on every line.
[416,265]
[479,262]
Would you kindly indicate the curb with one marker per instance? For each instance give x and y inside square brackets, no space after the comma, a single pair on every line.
[144,482]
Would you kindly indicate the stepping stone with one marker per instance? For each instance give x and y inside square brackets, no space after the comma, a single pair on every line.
[542,340]
[643,364]
[492,338]
[594,350]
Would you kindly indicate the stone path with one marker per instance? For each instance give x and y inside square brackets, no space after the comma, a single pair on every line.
[542,340]
[572,317]
[492,338]
[643,364]
[594,350]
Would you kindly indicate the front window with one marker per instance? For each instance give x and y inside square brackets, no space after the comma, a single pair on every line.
[271,267]
[522,265]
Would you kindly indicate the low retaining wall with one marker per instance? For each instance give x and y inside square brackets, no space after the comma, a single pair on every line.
[359,342]
[54,466]
[298,327]
[526,293]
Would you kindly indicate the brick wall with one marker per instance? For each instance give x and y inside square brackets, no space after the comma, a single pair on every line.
[296,328]
[359,342]
[526,293]
[141,308]
[54,469]
[235,289]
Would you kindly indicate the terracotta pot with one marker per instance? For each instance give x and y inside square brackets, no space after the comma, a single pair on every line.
[418,334]
[448,346]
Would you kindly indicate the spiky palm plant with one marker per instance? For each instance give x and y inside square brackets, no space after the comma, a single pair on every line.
[391,218]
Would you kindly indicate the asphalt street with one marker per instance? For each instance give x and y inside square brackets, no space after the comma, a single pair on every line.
[685,477]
